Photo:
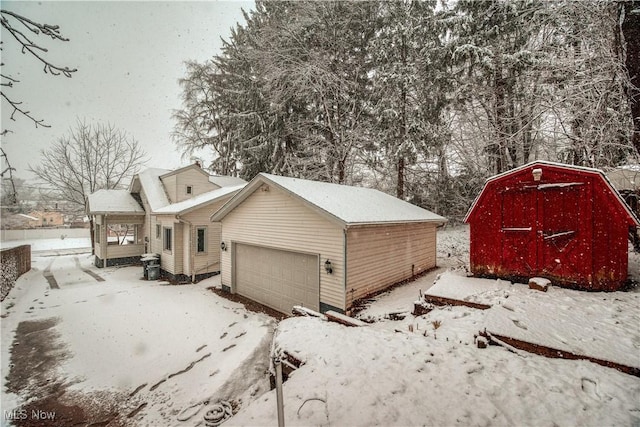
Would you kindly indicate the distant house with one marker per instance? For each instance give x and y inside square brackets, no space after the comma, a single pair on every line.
[46,218]
[18,221]
[565,223]
[164,212]
[293,242]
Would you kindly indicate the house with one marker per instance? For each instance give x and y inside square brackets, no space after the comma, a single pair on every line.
[46,218]
[565,223]
[164,212]
[289,241]
[18,221]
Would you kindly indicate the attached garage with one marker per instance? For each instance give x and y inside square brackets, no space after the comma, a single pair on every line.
[561,222]
[289,241]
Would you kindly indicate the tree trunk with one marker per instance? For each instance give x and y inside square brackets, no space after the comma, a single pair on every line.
[630,29]
[400,185]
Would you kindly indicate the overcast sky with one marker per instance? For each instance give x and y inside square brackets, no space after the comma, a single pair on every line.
[129,57]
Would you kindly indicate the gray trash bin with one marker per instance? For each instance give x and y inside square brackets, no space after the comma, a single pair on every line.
[147,260]
[153,272]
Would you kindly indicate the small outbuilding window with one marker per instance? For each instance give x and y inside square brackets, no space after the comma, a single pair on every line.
[158,231]
[189,189]
[201,240]
[167,239]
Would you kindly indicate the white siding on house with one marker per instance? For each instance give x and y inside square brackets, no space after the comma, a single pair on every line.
[125,219]
[176,184]
[275,219]
[168,258]
[379,256]
[209,261]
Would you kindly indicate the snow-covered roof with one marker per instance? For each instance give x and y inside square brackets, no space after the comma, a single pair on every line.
[226,181]
[114,202]
[198,201]
[153,188]
[183,169]
[346,204]
[32,218]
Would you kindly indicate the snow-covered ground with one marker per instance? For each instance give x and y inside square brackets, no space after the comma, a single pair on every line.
[181,349]
[176,348]
[59,243]
[427,370]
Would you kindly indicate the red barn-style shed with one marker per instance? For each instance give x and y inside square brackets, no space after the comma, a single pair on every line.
[544,219]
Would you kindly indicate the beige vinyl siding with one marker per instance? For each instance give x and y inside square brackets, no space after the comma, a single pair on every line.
[169,261]
[379,256]
[149,225]
[209,261]
[101,245]
[275,219]
[176,185]
[124,219]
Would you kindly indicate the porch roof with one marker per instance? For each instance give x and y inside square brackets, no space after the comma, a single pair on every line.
[114,202]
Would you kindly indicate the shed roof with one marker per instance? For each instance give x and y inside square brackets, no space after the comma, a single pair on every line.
[345,204]
[199,201]
[589,171]
[114,202]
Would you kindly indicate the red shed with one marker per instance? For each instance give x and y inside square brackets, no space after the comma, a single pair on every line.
[565,223]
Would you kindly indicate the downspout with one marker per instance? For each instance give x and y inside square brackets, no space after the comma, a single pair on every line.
[191,251]
[104,243]
[344,260]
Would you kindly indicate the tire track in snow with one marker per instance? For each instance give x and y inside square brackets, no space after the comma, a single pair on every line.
[86,270]
[53,284]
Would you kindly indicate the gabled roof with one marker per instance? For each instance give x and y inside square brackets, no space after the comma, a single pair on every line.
[199,201]
[343,204]
[590,171]
[113,202]
[149,180]
[185,168]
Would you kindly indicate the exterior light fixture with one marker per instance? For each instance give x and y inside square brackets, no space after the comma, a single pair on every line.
[537,174]
[223,246]
[327,267]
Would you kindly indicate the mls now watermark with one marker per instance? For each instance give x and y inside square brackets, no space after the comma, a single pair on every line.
[34,414]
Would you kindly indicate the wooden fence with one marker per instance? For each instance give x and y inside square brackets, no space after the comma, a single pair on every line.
[14,262]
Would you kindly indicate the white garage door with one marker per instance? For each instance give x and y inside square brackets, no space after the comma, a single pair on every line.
[278,279]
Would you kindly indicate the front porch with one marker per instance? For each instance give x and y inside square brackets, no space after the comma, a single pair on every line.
[119,240]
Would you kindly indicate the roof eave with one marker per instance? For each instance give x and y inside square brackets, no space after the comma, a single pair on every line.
[253,185]
[136,213]
[397,222]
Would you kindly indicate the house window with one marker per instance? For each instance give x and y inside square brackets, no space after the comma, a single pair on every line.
[201,240]
[166,241]
[189,189]
[158,231]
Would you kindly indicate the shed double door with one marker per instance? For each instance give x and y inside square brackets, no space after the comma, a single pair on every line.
[541,229]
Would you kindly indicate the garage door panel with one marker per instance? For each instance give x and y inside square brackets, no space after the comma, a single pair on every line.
[276,278]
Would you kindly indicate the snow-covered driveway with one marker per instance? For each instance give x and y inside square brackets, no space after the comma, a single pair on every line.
[169,350]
